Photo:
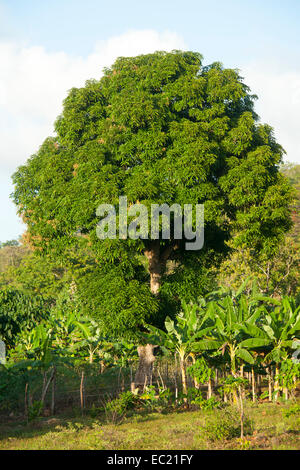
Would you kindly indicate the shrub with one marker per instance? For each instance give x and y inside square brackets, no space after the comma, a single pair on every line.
[153,400]
[116,409]
[227,426]
[35,410]
[19,312]
[204,404]
[201,371]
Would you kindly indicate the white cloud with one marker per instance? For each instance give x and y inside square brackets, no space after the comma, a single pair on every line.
[278,103]
[33,84]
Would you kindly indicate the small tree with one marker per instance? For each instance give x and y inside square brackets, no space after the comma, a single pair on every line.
[236,385]
[202,373]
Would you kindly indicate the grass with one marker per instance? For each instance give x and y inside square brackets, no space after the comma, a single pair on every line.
[175,430]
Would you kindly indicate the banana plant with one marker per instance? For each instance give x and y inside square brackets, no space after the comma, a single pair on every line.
[36,345]
[276,334]
[234,318]
[39,349]
[182,334]
[66,329]
[89,337]
[126,353]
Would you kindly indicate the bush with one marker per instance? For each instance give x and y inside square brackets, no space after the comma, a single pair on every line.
[116,409]
[153,400]
[19,312]
[227,426]
[201,371]
[125,401]
[204,404]
[35,410]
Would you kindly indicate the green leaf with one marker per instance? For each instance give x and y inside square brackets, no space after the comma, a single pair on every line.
[268,329]
[84,328]
[254,331]
[254,343]
[206,345]
[245,355]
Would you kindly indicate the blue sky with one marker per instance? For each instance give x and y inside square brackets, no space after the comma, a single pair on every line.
[48,46]
[227,30]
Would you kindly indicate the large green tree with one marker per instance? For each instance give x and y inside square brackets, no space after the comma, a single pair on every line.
[158,128]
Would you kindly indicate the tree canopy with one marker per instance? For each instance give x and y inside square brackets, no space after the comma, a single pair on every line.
[158,128]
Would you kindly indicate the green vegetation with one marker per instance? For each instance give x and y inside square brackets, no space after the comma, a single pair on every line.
[177,430]
[158,128]
[108,340]
[248,342]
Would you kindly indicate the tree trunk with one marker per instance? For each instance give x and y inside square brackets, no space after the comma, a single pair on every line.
[155,265]
[209,389]
[241,412]
[259,384]
[82,391]
[26,401]
[253,386]
[233,373]
[46,384]
[195,380]
[276,384]
[144,372]
[242,376]
[53,392]
[157,260]
[270,383]
[183,377]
